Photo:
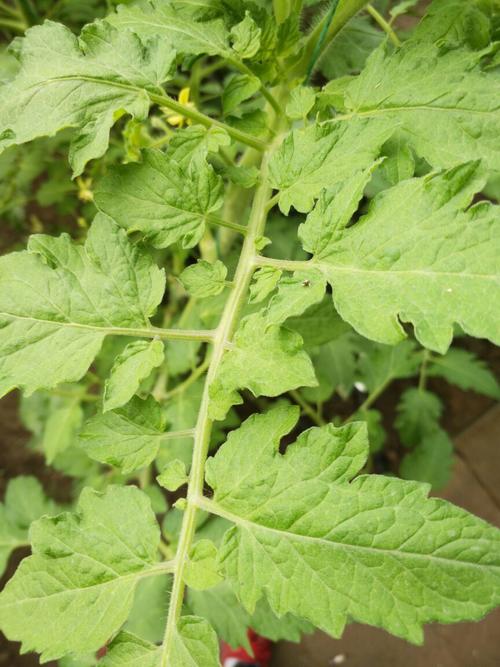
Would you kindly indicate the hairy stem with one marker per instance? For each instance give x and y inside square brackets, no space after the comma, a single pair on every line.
[224,333]
[386,27]
[202,119]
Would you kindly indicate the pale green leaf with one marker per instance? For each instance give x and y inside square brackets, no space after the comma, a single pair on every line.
[59,300]
[178,30]
[441,100]
[61,427]
[381,364]
[374,550]
[245,37]
[85,83]
[296,293]
[238,89]
[301,102]
[173,476]
[128,650]
[204,278]
[466,371]
[83,573]
[264,282]
[420,255]
[333,212]
[400,161]
[419,412]
[319,324]
[131,367]
[201,571]
[317,157]
[266,360]
[161,198]
[194,644]
[24,502]
[335,365]
[452,23]
[431,461]
[194,142]
[128,437]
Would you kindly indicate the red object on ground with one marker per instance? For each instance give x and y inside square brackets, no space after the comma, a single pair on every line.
[261,648]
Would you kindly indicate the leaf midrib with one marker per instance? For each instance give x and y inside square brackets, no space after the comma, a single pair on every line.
[214,508]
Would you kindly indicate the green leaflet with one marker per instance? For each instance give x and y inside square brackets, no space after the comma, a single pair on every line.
[83,83]
[296,293]
[58,300]
[381,364]
[453,23]
[83,573]
[173,476]
[130,368]
[264,282]
[128,437]
[430,461]
[176,29]
[419,412]
[445,105]
[375,550]
[166,200]
[63,422]
[24,502]
[194,644]
[204,279]
[465,370]
[301,102]
[417,256]
[238,89]
[128,650]
[201,570]
[265,359]
[246,37]
[321,156]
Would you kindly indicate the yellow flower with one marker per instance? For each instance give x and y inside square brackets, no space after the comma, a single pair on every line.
[175,118]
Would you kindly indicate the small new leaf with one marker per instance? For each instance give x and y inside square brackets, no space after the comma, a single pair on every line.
[419,412]
[173,476]
[263,283]
[204,279]
[245,37]
[128,437]
[130,368]
[301,102]
[430,461]
[201,571]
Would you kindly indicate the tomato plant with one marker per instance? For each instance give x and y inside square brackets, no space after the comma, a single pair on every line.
[292,204]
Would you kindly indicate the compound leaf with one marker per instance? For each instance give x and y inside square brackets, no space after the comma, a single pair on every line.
[418,416]
[83,573]
[58,300]
[85,83]
[430,461]
[375,550]
[130,368]
[465,370]
[164,199]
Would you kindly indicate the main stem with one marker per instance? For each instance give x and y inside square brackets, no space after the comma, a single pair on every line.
[223,335]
